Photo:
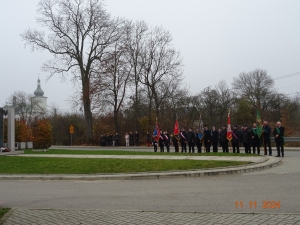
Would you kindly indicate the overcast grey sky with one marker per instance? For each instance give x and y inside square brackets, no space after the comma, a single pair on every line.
[218,39]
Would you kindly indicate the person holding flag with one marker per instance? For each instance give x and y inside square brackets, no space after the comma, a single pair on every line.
[255,139]
[156,136]
[266,138]
[256,133]
[229,131]
[176,137]
[199,134]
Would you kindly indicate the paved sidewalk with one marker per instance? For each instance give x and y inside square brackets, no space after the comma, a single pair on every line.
[64,217]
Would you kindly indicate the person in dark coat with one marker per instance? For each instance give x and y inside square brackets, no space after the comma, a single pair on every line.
[207,138]
[214,138]
[161,142]
[245,138]
[148,139]
[175,140]
[131,138]
[137,138]
[183,140]
[236,136]
[223,139]
[191,140]
[117,137]
[279,138]
[266,137]
[167,140]
[110,141]
[198,141]
[255,139]
[154,143]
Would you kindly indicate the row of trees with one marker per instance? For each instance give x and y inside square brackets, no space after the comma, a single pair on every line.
[249,92]
[129,74]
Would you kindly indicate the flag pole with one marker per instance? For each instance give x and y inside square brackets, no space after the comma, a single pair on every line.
[230,144]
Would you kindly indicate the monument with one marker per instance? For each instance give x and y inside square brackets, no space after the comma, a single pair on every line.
[2,113]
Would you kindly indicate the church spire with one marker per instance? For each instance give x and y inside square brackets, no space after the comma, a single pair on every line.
[39,92]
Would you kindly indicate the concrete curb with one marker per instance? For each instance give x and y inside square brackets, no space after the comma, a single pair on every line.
[269,163]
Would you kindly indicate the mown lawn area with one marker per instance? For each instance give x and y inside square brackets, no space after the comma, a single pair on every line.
[40,165]
[120,152]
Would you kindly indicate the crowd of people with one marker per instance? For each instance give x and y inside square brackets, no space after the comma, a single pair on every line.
[245,137]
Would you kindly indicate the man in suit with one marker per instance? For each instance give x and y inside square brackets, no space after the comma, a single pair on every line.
[223,139]
[137,138]
[198,141]
[167,140]
[175,139]
[161,142]
[191,140]
[245,138]
[279,138]
[131,138]
[266,137]
[236,139]
[214,138]
[207,138]
[255,139]
[183,140]
[117,140]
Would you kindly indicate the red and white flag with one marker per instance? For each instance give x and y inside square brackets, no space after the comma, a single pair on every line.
[176,128]
[229,131]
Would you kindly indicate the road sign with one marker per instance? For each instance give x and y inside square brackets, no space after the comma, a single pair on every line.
[71,129]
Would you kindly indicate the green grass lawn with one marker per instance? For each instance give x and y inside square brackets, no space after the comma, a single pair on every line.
[3,211]
[40,165]
[120,152]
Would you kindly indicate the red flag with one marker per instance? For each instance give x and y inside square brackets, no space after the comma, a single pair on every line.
[229,131]
[176,129]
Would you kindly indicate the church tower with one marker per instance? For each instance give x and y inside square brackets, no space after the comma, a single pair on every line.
[39,96]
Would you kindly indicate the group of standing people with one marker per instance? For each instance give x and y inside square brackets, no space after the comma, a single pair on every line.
[247,137]
[131,138]
[110,140]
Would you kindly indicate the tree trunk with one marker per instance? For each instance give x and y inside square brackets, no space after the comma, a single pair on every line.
[87,111]
[116,122]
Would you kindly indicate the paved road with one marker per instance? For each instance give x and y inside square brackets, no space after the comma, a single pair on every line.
[173,200]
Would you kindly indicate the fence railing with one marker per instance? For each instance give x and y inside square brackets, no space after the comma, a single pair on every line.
[289,139]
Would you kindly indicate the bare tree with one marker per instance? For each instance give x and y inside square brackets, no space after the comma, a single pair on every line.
[256,86]
[161,63]
[135,45]
[110,84]
[27,107]
[79,32]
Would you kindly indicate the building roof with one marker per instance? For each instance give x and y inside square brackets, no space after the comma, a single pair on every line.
[39,92]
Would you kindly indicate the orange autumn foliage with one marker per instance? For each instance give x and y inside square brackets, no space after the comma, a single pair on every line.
[42,134]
